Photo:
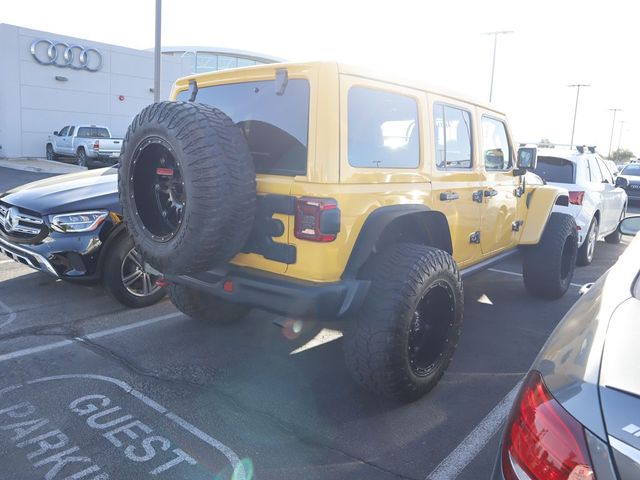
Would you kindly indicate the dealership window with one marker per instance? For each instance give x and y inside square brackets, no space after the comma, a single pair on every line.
[225,62]
[383,129]
[495,145]
[206,62]
[452,131]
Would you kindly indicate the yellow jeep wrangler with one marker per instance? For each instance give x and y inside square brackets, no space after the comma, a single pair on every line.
[322,190]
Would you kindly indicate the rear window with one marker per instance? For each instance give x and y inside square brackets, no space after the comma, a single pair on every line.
[275,126]
[554,169]
[631,170]
[93,132]
[383,129]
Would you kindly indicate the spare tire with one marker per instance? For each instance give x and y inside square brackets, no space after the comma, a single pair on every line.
[187,186]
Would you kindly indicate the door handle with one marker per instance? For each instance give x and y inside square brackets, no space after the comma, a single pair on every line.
[449,196]
[490,193]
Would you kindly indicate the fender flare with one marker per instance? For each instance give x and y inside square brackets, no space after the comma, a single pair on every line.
[540,203]
[433,221]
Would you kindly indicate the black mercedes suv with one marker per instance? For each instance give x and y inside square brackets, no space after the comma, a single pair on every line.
[70,226]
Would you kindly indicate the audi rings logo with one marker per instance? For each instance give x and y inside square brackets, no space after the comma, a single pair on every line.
[60,54]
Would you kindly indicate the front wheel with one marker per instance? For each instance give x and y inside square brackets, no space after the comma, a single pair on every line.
[615,236]
[125,277]
[548,266]
[404,336]
[51,155]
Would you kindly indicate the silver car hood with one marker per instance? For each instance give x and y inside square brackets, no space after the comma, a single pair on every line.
[571,360]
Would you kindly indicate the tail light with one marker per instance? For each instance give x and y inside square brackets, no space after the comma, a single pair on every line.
[575,198]
[317,219]
[541,440]
[96,145]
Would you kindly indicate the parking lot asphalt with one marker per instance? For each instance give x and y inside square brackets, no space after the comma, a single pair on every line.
[89,389]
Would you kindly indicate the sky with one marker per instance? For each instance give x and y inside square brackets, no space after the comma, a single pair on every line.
[554,44]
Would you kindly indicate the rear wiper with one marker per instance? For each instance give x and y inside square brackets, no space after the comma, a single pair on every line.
[282,78]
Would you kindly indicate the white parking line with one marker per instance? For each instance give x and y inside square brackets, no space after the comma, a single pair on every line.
[469,448]
[516,274]
[11,314]
[101,333]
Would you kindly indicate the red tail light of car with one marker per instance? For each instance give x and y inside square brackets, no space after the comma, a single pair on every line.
[96,145]
[576,198]
[317,219]
[541,440]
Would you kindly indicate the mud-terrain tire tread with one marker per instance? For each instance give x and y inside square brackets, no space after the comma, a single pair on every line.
[541,266]
[220,186]
[375,345]
[201,306]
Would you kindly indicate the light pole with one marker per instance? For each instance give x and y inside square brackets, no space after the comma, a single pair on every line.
[495,46]
[156,53]
[613,126]
[622,122]
[575,111]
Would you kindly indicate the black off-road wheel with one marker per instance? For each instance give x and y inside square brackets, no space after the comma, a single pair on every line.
[200,306]
[187,186]
[588,248]
[548,266]
[404,336]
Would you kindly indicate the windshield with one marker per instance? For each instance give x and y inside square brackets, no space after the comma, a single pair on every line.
[555,169]
[275,126]
[93,132]
[631,170]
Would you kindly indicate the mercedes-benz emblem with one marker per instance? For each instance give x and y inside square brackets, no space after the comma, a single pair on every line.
[60,54]
[12,220]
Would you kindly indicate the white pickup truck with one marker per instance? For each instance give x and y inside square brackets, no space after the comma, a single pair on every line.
[91,145]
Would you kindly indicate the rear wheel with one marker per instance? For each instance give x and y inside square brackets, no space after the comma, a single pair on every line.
[200,306]
[404,336]
[588,247]
[81,157]
[548,266]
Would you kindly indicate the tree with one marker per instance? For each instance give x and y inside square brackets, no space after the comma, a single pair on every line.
[621,155]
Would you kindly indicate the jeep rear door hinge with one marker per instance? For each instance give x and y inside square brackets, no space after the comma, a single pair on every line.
[515,226]
[474,237]
[478,196]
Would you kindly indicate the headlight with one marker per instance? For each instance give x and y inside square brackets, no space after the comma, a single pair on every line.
[77,221]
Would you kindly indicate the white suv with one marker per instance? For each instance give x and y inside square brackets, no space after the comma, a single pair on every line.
[595,201]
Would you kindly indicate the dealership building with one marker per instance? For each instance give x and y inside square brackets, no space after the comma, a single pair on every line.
[50,80]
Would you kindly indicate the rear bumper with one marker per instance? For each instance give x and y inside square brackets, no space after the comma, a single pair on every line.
[279,294]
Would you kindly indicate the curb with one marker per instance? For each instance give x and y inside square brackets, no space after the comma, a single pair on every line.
[40,165]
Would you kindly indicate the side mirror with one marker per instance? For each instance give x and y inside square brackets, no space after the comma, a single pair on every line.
[622,182]
[55,133]
[527,158]
[630,225]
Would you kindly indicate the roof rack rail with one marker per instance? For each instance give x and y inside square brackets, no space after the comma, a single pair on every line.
[579,148]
